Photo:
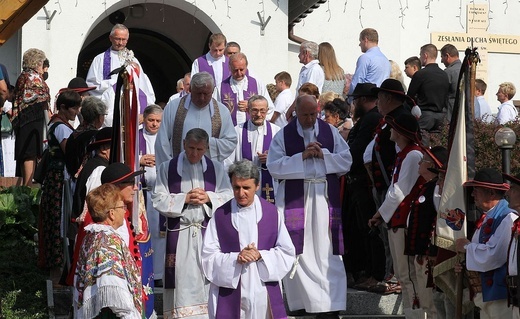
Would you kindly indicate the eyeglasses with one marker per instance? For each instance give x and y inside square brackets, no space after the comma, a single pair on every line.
[255,111]
[123,207]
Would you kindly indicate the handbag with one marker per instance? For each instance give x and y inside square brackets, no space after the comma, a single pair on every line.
[5,124]
[41,168]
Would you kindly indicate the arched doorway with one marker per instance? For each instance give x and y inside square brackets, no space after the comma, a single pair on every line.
[164,46]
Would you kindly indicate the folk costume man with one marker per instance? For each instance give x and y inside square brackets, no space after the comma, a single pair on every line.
[214,62]
[379,158]
[113,58]
[487,252]
[188,190]
[239,87]
[254,139]
[513,283]
[307,156]
[197,109]
[420,226]
[246,253]
[395,209]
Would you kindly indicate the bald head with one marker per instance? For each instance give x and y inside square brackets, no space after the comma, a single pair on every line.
[306,110]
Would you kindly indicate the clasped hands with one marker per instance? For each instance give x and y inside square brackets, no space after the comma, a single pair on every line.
[196,196]
[147,160]
[249,254]
[313,149]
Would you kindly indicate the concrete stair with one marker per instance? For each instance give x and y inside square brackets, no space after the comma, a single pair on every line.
[360,304]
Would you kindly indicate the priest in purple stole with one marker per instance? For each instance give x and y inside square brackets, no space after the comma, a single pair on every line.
[214,62]
[307,157]
[254,139]
[236,89]
[188,190]
[114,57]
[247,251]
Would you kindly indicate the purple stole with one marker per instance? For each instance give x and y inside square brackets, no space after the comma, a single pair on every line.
[205,67]
[106,65]
[172,237]
[228,302]
[266,179]
[229,98]
[294,191]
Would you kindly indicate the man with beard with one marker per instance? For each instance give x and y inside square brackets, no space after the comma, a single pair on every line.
[366,261]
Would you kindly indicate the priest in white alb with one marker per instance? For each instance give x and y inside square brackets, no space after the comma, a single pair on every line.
[307,157]
[254,138]
[246,253]
[196,109]
[188,190]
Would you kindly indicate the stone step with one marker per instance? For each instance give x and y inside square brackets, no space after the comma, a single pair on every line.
[360,304]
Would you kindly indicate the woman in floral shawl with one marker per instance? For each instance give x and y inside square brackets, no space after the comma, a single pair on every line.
[31,99]
[107,283]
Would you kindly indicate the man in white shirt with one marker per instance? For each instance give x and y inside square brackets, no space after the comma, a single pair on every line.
[311,70]
[284,99]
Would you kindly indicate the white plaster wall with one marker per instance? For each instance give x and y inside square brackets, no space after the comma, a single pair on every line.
[400,38]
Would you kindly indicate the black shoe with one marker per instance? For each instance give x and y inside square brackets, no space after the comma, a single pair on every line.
[328,315]
[297,313]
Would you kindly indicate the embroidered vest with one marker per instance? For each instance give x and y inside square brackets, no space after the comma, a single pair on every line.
[230,99]
[294,190]
[172,236]
[228,303]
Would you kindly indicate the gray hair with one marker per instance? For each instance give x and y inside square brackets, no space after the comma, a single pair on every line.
[244,169]
[118,26]
[255,98]
[92,108]
[311,47]
[152,109]
[201,80]
[33,58]
[197,135]
[238,56]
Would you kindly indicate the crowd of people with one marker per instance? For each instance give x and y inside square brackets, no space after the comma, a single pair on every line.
[241,190]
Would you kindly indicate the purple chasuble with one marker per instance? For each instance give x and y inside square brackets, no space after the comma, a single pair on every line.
[106,65]
[228,303]
[229,98]
[172,236]
[205,67]
[247,154]
[294,190]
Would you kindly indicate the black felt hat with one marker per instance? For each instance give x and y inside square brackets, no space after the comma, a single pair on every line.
[405,124]
[394,87]
[488,178]
[439,155]
[364,89]
[79,85]
[514,179]
[103,136]
[117,173]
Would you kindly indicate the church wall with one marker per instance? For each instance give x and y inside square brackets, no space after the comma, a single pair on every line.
[403,30]
[400,38]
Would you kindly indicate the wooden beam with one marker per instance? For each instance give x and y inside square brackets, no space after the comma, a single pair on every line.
[15,13]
